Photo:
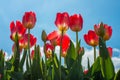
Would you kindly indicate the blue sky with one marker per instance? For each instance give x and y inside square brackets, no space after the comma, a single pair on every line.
[93,12]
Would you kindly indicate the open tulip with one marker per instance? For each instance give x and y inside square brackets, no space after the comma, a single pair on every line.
[49,48]
[91,38]
[76,22]
[29,19]
[23,42]
[62,21]
[55,37]
[17,28]
[107,31]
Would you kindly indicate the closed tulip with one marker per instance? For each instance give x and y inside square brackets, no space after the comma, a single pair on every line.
[29,19]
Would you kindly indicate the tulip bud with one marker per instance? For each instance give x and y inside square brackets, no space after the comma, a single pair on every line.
[44,36]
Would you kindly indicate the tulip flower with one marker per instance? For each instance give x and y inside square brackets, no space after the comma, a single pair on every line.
[29,19]
[76,22]
[23,42]
[91,38]
[110,51]
[107,31]
[49,48]
[17,28]
[62,21]
[85,72]
[55,37]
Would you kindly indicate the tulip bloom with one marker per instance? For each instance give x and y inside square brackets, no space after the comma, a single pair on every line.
[29,20]
[23,42]
[49,48]
[62,21]
[32,54]
[55,37]
[107,31]
[110,51]
[91,38]
[17,28]
[76,22]
[85,72]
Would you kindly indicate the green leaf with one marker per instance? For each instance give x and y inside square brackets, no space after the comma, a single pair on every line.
[107,66]
[36,68]
[23,59]
[71,51]
[88,64]
[96,66]
[16,75]
[71,55]
[16,62]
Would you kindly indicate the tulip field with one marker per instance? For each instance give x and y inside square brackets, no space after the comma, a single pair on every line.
[26,62]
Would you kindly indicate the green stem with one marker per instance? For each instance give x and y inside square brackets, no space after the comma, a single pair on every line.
[29,51]
[29,46]
[94,53]
[60,54]
[45,78]
[76,42]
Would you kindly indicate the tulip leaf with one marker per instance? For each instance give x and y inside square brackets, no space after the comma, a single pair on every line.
[16,75]
[35,67]
[107,66]
[96,66]
[23,59]
[71,55]
[88,64]
[71,51]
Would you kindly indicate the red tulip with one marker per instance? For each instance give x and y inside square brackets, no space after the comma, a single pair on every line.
[62,21]
[29,19]
[110,51]
[107,31]
[91,38]
[76,22]
[55,37]
[49,49]
[18,28]
[85,72]
[23,42]
[32,54]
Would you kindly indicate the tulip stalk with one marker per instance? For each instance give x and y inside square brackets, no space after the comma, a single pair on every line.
[60,53]
[94,53]
[29,46]
[45,77]
[76,41]
[29,49]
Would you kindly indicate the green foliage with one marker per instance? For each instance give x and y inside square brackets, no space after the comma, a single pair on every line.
[16,68]
[107,67]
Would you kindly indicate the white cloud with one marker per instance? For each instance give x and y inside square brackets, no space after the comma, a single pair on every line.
[116,50]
